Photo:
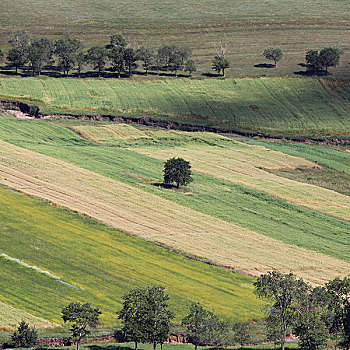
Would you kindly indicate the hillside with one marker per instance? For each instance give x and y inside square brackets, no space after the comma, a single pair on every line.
[299,107]
[240,215]
[249,27]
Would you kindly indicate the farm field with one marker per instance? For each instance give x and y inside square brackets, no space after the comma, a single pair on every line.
[302,107]
[249,27]
[103,264]
[234,225]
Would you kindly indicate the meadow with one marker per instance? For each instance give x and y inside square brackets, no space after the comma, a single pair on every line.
[248,27]
[103,264]
[301,107]
[213,219]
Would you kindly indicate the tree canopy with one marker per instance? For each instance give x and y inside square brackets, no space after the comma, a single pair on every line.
[177,170]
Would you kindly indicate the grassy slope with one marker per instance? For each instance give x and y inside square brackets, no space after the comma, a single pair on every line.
[249,27]
[233,203]
[291,106]
[103,263]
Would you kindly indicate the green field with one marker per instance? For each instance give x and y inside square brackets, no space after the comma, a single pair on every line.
[103,263]
[249,27]
[301,107]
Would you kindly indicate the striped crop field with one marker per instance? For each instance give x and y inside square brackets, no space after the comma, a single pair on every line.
[235,162]
[10,317]
[291,106]
[98,264]
[215,219]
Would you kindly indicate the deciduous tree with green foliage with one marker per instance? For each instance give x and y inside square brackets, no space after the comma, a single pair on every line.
[220,63]
[194,323]
[339,291]
[190,67]
[81,316]
[282,291]
[241,332]
[133,315]
[177,170]
[67,50]
[17,56]
[146,55]
[97,57]
[274,54]
[329,57]
[157,316]
[215,331]
[175,62]
[130,58]
[24,336]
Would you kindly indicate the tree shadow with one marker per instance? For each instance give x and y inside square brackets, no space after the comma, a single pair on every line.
[163,185]
[265,65]
[109,347]
[211,75]
[310,73]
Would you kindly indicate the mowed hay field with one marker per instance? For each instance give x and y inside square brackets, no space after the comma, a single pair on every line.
[116,187]
[102,264]
[304,107]
[249,27]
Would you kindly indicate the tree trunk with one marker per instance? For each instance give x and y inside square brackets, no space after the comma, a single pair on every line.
[78,341]
[135,345]
[161,346]
[223,72]
[16,70]
[154,346]
[195,346]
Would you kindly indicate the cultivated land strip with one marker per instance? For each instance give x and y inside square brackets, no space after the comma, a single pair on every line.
[10,317]
[149,216]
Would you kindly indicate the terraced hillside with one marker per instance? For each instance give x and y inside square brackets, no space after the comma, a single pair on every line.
[218,218]
[301,107]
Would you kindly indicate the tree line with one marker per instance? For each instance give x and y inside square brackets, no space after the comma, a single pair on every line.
[313,314]
[119,53]
[124,57]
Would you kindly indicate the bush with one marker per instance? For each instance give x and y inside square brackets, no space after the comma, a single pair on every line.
[24,337]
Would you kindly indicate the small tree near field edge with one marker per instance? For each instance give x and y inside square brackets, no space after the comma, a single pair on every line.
[24,336]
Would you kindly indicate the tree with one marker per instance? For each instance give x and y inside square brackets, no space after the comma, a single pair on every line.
[40,52]
[130,58]
[67,50]
[17,56]
[25,337]
[214,331]
[309,325]
[330,57]
[1,55]
[185,52]
[313,61]
[164,53]
[177,170]
[116,49]
[273,328]
[175,62]
[81,316]
[283,291]
[80,62]
[190,67]
[339,291]
[274,54]
[241,332]
[97,57]
[133,315]
[194,322]
[146,55]
[220,63]
[157,315]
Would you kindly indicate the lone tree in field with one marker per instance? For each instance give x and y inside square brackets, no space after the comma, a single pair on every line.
[81,316]
[220,63]
[194,322]
[274,54]
[283,291]
[25,337]
[177,170]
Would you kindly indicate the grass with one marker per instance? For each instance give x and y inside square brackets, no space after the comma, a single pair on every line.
[249,27]
[214,218]
[302,107]
[104,264]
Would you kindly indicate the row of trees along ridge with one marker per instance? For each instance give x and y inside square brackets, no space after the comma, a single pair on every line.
[123,56]
[314,315]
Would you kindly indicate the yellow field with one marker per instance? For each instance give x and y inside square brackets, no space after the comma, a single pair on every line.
[10,317]
[141,213]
